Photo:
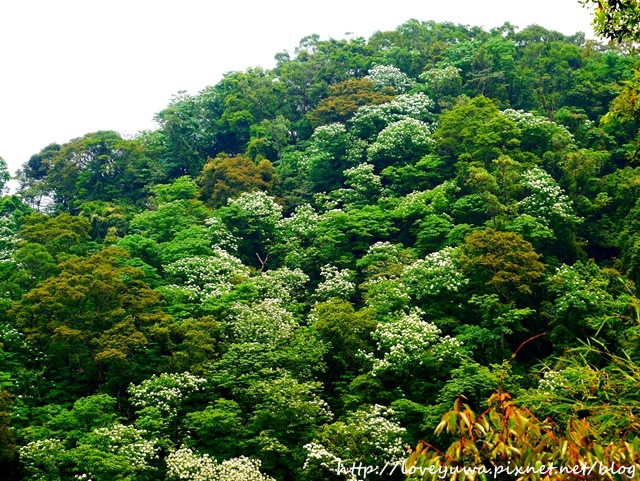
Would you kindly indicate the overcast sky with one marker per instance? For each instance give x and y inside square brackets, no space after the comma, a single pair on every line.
[69,67]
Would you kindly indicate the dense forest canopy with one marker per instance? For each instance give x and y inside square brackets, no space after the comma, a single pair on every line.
[309,266]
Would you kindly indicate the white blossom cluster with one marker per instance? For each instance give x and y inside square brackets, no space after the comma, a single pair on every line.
[526,121]
[390,76]
[385,250]
[128,442]
[422,203]
[447,348]
[185,465]
[362,179]
[382,434]
[386,295]
[436,78]
[551,381]
[318,455]
[403,341]
[240,469]
[206,276]
[380,256]
[266,322]
[38,458]
[574,292]
[401,137]
[326,142]
[434,274]
[369,120]
[220,236]
[284,284]
[258,205]
[547,200]
[336,283]
[364,186]
[286,394]
[367,435]
[301,224]
[328,131]
[8,238]
[165,392]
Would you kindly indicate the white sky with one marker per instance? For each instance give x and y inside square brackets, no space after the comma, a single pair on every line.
[69,67]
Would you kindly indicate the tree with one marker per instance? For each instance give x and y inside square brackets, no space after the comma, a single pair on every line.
[4,175]
[60,235]
[331,151]
[400,143]
[99,166]
[345,98]
[616,19]
[390,76]
[91,321]
[346,331]
[227,177]
[475,131]
[501,260]
[368,436]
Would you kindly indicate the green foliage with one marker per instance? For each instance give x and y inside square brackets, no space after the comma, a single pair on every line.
[345,98]
[503,261]
[226,178]
[305,267]
[475,131]
[616,19]
[91,319]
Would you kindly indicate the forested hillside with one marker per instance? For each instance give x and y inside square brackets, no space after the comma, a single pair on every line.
[308,266]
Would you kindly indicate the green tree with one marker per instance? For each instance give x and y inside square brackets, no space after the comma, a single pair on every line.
[99,166]
[227,177]
[503,261]
[475,131]
[91,321]
[616,19]
[344,99]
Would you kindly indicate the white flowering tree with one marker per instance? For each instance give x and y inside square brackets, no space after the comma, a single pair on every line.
[436,274]
[362,187]
[443,84]
[159,399]
[331,150]
[220,236]
[387,295]
[539,134]
[252,219]
[369,435]
[383,257]
[285,414]
[402,142]
[390,76]
[408,341]
[370,120]
[546,200]
[587,301]
[185,465]
[8,239]
[283,284]
[336,284]
[193,280]
[266,322]
[296,235]
[114,452]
